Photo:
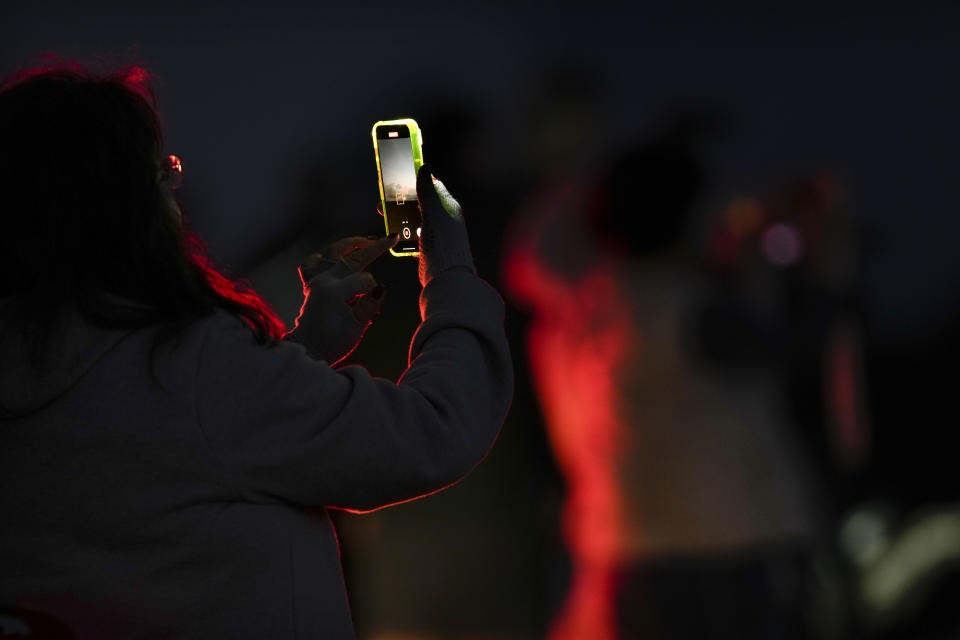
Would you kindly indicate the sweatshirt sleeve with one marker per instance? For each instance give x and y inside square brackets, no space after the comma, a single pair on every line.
[289,428]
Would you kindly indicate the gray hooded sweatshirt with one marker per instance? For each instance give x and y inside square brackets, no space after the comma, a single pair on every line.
[193,505]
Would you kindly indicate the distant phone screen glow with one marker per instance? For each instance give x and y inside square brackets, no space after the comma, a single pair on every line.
[399,186]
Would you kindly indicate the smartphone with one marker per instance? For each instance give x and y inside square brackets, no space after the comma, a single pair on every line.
[397,145]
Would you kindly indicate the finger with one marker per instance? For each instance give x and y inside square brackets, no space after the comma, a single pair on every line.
[361,258]
[450,204]
[330,257]
[369,305]
[312,265]
[354,285]
[346,246]
[434,196]
[333,259]
[426,194]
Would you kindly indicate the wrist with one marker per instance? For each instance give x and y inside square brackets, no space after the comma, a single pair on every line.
[433,265]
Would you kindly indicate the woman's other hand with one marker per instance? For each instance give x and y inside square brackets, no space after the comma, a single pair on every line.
[340,299]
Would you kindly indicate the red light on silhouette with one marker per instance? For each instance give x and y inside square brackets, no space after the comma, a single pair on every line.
[137,77]
[577,343]
[237,293]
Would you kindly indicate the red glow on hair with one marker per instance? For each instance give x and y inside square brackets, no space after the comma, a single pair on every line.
[133,77]
[136,77]
[236,293]
[578,340]
[49,63]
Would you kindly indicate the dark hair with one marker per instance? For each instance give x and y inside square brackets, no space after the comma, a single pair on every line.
[86,220]
[648,195]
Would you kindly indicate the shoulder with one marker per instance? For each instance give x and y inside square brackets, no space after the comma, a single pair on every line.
[228,350]
[224,333]
[218,345]
[223,325]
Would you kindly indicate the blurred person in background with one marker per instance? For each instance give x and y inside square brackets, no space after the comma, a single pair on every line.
[784,268]
[877,416]
[168,451]
[691,509]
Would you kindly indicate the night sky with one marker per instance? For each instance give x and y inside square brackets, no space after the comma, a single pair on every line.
[262,97]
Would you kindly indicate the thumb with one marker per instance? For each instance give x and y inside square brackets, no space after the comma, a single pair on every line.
[426,194]
[434,196]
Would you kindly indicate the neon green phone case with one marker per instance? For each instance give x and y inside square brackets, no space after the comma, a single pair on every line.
[416,142]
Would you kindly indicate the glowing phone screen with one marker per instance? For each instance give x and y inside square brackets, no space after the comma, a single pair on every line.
[399,186]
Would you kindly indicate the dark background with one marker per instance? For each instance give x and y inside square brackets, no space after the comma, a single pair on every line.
[270,107]
[257,96]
